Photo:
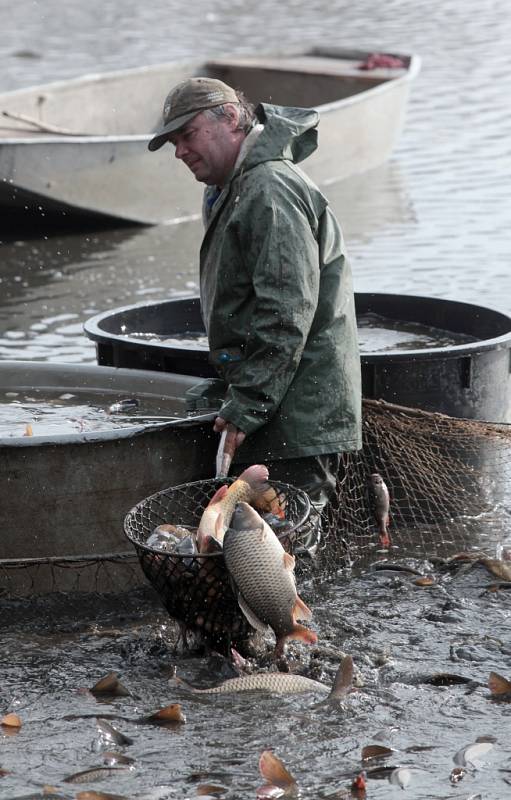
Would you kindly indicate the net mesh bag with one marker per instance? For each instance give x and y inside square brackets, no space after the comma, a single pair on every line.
[196,588]
[449,481]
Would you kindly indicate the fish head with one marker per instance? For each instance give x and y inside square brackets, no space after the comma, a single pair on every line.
[378,488]
[245,517]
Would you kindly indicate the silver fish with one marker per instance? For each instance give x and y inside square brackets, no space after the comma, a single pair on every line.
[282,683]
[380,502]
[93,774]
[264,576]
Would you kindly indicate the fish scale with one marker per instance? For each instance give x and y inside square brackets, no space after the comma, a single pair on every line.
[264,577]
[275,682]
[255,560]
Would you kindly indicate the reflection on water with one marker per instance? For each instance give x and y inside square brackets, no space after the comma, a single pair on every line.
[193,339]
[377,334]
[43,413]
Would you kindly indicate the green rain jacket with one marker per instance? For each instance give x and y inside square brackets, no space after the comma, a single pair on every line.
[277,301]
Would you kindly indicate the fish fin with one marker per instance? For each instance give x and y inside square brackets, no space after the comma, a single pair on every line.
[300,610]
[251,617]
[289,561]
[219,494]
[343,680]
[497,684]
[209,544]
[299,632]
[177,681]
[273,770]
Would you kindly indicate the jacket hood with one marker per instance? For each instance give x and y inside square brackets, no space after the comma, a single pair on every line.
[289,134]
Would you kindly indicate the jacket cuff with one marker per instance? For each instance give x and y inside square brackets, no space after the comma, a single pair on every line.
[243,419]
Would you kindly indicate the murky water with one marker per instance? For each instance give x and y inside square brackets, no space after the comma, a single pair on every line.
[400,634]
[48,414]
[434,221]
[376,334]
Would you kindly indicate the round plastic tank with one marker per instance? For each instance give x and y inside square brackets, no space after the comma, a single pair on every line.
[469,380]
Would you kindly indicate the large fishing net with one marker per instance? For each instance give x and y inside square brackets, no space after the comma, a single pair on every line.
[450,491]
[449,481]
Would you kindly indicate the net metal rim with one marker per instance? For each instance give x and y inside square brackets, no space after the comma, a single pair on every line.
[285,488]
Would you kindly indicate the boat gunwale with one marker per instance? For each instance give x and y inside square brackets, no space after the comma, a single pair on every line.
[391,81]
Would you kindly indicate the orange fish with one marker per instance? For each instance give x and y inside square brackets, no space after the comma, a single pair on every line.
[251,485]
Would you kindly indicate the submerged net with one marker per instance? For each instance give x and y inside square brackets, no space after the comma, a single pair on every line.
[449,481]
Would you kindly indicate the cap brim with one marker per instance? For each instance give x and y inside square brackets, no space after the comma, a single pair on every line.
[162,135]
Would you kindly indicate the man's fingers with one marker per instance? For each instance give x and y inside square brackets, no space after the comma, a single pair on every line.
[234,437]
[219,424]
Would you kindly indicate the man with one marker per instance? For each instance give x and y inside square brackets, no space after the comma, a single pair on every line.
[275,284]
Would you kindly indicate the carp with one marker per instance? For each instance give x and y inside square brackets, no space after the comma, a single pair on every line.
[264,577]
[283,683]
[251,486]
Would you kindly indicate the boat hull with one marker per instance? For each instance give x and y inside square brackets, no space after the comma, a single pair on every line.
[114,176]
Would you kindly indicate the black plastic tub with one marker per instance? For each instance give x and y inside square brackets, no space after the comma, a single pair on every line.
[469,380]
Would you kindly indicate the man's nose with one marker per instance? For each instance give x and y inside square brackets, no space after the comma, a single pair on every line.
[180,150]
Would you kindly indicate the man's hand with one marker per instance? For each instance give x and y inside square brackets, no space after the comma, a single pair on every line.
[234,437]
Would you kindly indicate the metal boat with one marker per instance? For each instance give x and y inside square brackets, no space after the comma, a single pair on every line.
[77,149]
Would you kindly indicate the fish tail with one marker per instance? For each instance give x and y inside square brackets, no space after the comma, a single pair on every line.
[274,771]
[299,632]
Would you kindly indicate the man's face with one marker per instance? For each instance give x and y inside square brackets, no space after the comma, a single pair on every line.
[209,148]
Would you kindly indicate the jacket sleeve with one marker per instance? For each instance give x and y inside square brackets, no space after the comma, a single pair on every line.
[276,229]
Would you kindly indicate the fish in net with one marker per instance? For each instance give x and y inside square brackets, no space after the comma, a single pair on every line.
[449,481]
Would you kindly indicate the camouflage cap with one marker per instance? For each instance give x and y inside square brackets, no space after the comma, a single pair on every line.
[187,99]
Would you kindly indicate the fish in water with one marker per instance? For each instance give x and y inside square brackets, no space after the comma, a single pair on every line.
[123,405]
[380,502]
[264,576]
[251,484]
[94,774]
[109,733]
[272,769]
[282,683]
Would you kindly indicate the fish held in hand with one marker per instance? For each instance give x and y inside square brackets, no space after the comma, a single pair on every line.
[251,485]
[264,576]
[380,502]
